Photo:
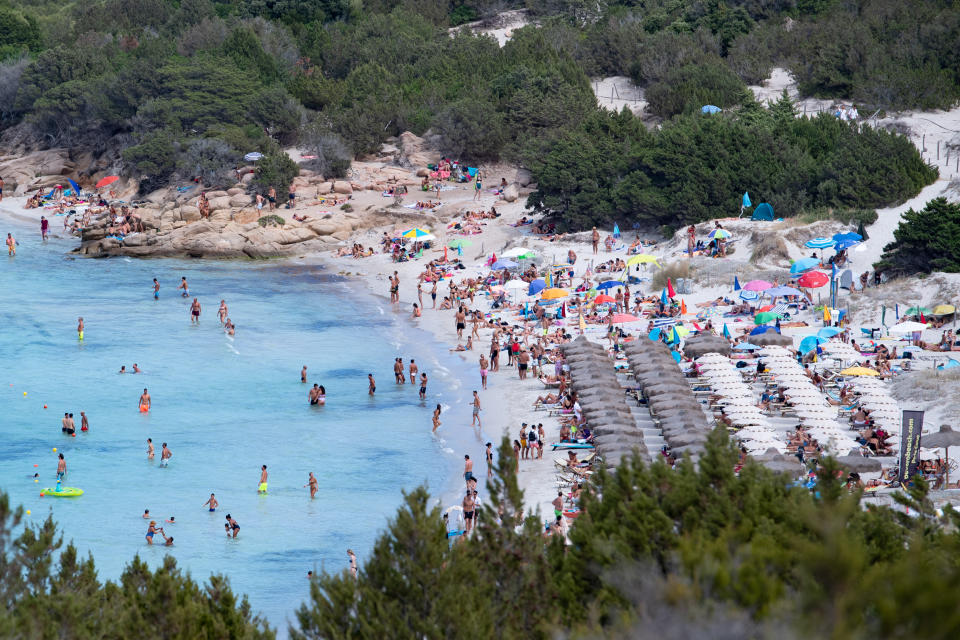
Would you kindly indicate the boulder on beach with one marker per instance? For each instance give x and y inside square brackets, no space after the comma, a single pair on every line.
[342,187]
[511,193]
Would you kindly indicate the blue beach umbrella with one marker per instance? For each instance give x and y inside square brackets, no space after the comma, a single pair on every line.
[663,297]
[726,331]
[609,284]
[616,230]
[746,346]
[503,264]
[819,243]
[253,156]
[736,284]
[803,265]
[949,364]
[845,244]
[76,187]
[849,235]
[655,334]
[536,287]
[762,329]
[746,199]
[828,332]
[748,295]
[809,343]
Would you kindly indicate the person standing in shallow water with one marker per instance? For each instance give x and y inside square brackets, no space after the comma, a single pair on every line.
[195,312]
[262,488]
[312,483]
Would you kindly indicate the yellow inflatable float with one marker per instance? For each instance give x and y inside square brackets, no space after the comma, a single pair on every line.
[63,492]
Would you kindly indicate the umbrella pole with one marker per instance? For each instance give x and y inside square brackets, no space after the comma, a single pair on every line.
[946,455]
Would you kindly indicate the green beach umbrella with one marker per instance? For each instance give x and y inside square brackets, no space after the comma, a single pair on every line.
[915,311]
[459,243]
[765,317]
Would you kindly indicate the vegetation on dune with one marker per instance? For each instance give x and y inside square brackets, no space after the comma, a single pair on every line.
[926,240]
[696,167]
[148,81]
[692,552]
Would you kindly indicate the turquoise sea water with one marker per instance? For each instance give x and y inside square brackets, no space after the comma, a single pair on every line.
[225,406]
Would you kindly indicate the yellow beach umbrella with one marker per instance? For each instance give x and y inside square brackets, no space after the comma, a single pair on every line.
[682,330]
[859,371]
[643,258]
[943,309]
[554,293]
[416,232]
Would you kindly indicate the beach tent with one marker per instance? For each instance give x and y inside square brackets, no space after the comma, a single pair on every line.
[763,212]
[253,156]
[709,108]
[846,279]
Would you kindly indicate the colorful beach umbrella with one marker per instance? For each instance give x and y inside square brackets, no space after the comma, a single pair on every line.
[719,234]
[105,182]
[624,317]
[819,243]
[554,294]
[670,291]
[803,265]
[916,311]
[859,371]
[459,243]
[747,295]
[416,232]
[536,287]
[813,280]
[809,343]
[776,292]
[765,317]
[518,252]
[757,285]
[642,258]
[609,284]
[604,299]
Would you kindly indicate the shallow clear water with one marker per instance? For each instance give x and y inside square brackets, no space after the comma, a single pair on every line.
[225,406]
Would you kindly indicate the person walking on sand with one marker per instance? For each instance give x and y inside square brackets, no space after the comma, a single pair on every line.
[476,410]
[372,388]
[461,318]
[433,294]
[312,483]
[595,240]
[195,312]
[262,487]
[80,329]
[303,374]
[149,448]
[183,285]
[212,503]
[477,185]
[44,228]
[436,418]
[156,289]
[165,455]
[11,245]
[144,401]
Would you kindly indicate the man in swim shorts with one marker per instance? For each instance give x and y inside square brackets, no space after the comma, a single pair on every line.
[149,448]
[84,423]
[144,401]
[61,467]
[262,488]
[195,311]
[211,503]
[468,505]
[156,289]
[467,468]
[80,328]
[373,384]
[314,395]
[413,371]
[303,374]
[11,246]
[165,455]
[558,506]
[44,227]
[423,386]
[183,285]
[476,409]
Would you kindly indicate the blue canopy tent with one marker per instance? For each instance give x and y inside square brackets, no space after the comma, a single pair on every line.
[709,108]
[763,212]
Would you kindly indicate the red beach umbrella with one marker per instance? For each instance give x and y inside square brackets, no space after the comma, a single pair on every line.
[813,280]
[624,317]
[107,181]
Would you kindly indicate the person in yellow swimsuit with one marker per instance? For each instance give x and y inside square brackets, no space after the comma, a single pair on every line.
[263,480]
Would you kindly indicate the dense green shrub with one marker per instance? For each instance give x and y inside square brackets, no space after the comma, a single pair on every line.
[332,154]
[696,167]
[688,88]
[277,170]
[154,159]
[926,240]
[271,220]
[211,160]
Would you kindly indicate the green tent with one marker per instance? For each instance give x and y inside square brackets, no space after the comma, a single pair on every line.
[763,212]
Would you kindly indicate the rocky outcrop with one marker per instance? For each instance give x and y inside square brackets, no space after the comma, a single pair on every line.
[179,232]
[511,193]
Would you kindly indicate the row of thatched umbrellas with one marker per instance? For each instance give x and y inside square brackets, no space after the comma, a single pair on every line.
[669,397]
[603,401]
